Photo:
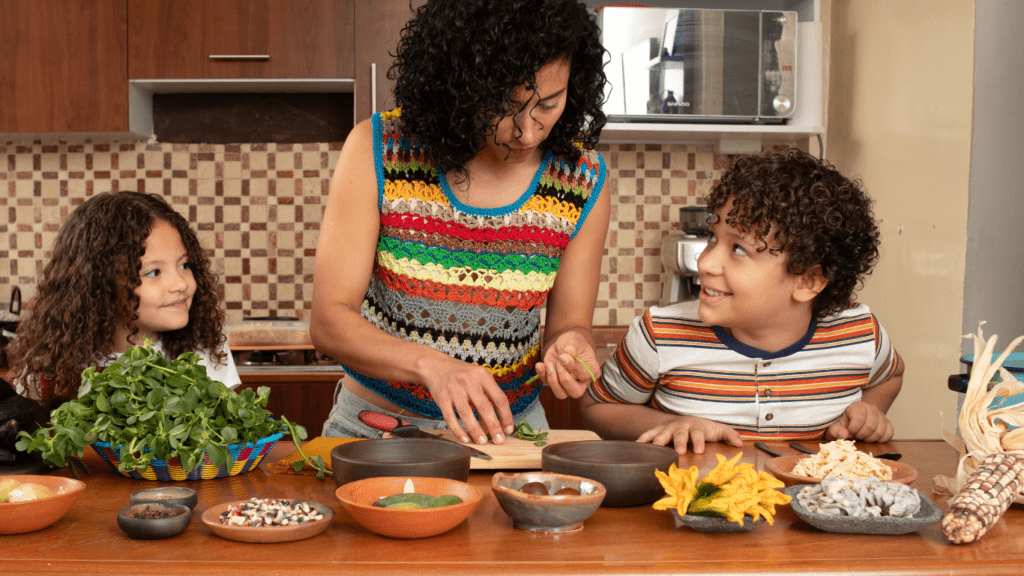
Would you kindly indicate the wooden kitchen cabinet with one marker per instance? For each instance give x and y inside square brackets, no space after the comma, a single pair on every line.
[240,39]
[63,66]
[380,26]
[305,397]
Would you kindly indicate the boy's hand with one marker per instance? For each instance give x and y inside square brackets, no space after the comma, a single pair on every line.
[861,421]
[691,429]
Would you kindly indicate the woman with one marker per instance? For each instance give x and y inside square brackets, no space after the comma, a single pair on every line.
[453,219]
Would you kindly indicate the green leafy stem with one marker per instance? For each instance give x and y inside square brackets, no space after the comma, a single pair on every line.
[593,377]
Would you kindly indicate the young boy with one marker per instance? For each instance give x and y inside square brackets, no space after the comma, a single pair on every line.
[777,348]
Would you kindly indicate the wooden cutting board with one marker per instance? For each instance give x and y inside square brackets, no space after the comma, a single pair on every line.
[516,454]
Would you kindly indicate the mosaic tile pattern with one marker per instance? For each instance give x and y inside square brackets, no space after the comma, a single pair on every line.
[257,208]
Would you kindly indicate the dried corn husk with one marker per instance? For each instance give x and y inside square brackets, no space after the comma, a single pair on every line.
[984,429]
[990,475]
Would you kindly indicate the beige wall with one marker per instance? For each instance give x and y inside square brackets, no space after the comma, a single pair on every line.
[899,116]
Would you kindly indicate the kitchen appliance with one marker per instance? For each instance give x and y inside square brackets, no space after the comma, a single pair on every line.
[679,252]
[1014,364]
[275,343]
[9,315]
[699,65]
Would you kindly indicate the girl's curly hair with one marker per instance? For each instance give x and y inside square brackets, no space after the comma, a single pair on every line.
[459,60]
[820,218]
[88,287]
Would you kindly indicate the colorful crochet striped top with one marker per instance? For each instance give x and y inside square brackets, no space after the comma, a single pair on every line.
[467,281]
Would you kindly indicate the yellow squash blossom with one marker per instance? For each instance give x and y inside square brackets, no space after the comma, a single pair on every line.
[681,487]
[730,491]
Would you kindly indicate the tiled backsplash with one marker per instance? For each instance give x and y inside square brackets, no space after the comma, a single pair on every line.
[257,208]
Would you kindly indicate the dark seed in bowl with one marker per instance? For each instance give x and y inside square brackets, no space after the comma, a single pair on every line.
[153,512]
[536,488]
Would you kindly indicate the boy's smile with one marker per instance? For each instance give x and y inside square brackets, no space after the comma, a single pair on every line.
[750,292]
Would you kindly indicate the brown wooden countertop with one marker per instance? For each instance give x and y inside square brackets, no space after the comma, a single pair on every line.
[637,540]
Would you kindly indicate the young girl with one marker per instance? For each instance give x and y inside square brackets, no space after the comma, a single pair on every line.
[125,267]
[453,221]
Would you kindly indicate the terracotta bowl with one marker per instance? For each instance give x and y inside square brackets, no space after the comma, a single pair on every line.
[546,512]
[180,516]
[399,457]
[358,498]
[782,468]
[21,517]
[169,495]
[626,469]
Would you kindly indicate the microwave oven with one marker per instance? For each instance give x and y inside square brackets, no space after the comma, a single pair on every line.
[699,65]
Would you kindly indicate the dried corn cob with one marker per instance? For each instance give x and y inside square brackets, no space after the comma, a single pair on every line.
[989,491]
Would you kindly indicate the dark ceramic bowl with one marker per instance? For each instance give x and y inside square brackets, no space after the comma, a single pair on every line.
[626,469]
[546,513]
[399,457]
[169,495]
[154,528]
[712,525]
[886,525]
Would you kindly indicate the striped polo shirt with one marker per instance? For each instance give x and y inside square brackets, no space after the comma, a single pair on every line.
[470,282]
[672,361]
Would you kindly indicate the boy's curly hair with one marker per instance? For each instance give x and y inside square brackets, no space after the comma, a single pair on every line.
[88,287]
[459,60]
[820,218]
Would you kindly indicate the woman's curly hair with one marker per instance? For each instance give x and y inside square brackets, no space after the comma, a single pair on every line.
[87,290]
[459,60]
[819,217]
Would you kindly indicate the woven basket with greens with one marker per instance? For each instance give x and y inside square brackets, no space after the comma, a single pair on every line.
[147,407]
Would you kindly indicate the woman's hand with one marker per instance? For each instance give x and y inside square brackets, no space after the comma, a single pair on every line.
[561,370]
[460,387]
[691,429]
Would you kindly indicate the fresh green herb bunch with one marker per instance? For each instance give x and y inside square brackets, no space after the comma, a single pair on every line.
[157,408]
[525,432]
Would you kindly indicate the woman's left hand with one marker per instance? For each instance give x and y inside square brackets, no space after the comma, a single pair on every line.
[565,364]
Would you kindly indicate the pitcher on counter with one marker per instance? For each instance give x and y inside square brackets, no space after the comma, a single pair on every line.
[778,348]
[453,219]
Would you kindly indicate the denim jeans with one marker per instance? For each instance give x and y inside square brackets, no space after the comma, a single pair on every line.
[344,422]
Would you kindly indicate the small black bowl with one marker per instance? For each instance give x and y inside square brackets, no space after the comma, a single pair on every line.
[626,469]
[400,457]
[154,528]
[168,495]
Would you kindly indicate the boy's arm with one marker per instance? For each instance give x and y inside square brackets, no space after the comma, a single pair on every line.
[882,395]
[865,420]
[642,423]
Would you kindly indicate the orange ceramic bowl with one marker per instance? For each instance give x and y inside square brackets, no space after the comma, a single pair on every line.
[21,517]
[358,498]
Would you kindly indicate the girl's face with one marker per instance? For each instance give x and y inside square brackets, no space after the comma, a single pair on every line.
[168,285]
[516,137]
